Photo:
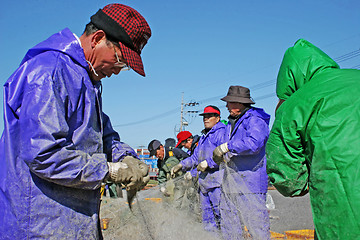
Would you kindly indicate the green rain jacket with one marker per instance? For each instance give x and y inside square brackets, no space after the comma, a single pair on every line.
[165,166]
[315,139]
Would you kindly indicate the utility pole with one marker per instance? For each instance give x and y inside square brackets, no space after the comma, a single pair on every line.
[182,110]
[183,122]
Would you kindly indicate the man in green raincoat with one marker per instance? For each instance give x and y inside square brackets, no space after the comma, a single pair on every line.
[314,144]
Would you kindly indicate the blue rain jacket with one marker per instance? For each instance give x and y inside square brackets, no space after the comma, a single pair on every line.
[245,182]
[52,150]
[247,149]
[212,177]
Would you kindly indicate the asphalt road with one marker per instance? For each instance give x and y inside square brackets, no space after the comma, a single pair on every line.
[290,213]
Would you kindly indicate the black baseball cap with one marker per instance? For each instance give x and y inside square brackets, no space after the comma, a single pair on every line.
[153,146]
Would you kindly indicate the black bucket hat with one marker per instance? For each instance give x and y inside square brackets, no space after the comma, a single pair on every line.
[238,94]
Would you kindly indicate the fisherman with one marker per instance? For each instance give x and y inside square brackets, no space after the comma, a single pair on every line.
[210,177]
[170,143]
[314,142]
[167,158]
[245,181]
[58,146]
[188,141]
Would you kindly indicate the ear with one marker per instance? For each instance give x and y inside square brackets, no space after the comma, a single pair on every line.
[97,37]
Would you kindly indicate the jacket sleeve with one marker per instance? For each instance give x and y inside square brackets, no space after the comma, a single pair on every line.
[46,137]
[180,154]
[190,162]
[161,176]
[113,147]
[286,164]
[218,139]
[256,135]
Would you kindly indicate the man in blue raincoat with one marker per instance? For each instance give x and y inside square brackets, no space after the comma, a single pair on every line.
[190,142]
[245,180]
[58,146]
[210,177]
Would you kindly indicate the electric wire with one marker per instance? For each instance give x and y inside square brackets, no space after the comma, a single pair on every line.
[258,86]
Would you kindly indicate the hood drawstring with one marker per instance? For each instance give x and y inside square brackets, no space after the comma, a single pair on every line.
[92,68]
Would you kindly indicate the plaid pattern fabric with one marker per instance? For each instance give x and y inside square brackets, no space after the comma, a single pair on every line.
[136,27]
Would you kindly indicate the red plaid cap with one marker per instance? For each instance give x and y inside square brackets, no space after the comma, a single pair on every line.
[128,27]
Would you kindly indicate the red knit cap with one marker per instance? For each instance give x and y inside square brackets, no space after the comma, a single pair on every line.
[182,136]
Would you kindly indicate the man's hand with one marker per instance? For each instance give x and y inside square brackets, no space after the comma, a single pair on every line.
[131,172]
[175,169]
[202,166]
[119,172]
[141,173]
[218,153]
[187,176]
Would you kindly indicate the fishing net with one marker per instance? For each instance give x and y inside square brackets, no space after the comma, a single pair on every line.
[244,214]
[177,214]
[154,215]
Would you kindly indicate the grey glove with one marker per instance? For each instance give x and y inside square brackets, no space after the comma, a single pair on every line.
[218,153]
[175,169]
[140,171]
[119,172]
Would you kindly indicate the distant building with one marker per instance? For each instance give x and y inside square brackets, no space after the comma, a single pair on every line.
[143,155]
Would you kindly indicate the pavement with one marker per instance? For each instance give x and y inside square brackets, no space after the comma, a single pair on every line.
[290,213]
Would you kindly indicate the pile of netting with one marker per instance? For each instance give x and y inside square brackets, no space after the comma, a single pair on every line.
[177,214]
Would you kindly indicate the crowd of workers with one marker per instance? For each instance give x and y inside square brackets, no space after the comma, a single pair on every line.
[240,144]
[58,146]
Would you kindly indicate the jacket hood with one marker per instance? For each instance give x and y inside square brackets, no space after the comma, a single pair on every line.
[259,112]
[214,128]
[64,42]
[300,63]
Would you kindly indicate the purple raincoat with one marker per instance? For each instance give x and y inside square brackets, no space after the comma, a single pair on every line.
[247,170]
[52,151]
[210,180]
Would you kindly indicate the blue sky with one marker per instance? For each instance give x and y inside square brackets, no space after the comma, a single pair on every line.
[198,49]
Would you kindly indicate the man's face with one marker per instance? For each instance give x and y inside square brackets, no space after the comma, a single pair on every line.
[160,153]
[105,58]
[210,120]
[187,143]
[235,108]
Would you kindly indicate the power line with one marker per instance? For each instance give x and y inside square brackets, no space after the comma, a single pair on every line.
[175,110]
[347,56]
[258,86]
[356,66]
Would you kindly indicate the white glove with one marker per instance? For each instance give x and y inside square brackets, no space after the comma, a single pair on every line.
[202,166]
[175,169]
[188,176]
[218,153]
[163,189]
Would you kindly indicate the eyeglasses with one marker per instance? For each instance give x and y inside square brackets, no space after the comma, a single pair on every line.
[120,64]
